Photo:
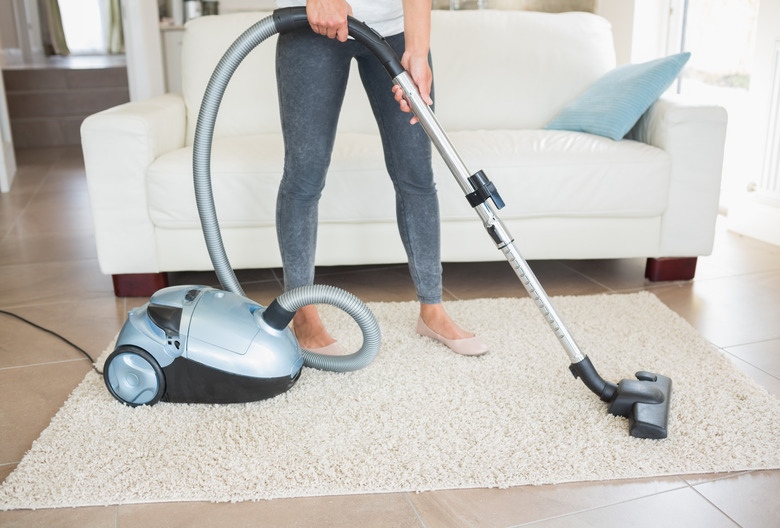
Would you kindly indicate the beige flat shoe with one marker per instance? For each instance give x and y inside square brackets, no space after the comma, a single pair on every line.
[469,346]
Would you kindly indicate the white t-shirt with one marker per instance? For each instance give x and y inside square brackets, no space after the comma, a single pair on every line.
[386,17]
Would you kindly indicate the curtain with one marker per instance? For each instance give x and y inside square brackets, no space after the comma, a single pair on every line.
[82,27]
[116,41]
[59,45]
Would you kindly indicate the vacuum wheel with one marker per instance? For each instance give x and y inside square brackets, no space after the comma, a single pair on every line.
[133,376]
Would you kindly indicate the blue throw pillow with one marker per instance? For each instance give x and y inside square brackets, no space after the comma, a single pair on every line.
[613,104]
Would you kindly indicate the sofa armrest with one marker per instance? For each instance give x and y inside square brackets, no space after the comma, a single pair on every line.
[119,144]
[694,136]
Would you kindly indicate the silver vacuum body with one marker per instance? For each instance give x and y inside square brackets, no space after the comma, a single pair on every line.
[196,344]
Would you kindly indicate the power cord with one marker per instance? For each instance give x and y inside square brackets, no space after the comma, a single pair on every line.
[55,334]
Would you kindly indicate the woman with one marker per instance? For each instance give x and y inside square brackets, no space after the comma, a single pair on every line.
[312,74]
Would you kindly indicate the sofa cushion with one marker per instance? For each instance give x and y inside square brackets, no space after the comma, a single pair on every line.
[612,105]
[539,173]
[560,174]
[533,63]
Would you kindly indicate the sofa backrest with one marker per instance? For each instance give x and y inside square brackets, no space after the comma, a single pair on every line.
[492,70]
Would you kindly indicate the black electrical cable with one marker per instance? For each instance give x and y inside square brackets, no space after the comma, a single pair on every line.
[55,334]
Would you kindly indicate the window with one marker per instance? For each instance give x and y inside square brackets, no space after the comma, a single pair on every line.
[85,23]
[720,34]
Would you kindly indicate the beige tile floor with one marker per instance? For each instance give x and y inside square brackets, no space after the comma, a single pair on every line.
[49,273]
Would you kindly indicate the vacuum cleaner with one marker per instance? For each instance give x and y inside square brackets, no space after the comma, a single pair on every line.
[644,400]
[197,344]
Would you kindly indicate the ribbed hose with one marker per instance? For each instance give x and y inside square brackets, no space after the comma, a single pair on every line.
[204,197]
[201,147]
[319,293]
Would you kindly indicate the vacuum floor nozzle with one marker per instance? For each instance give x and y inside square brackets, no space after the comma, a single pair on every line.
[645,402]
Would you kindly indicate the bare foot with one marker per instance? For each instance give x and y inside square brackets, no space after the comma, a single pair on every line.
[440,322]
[309,330]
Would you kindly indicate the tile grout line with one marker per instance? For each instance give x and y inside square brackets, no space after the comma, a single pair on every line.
[419,517]
[33,194]
[700,494]
[683,485]
[767,340]
[44,364]
[279,277]
[734,357]
[733,276]
[450,292]
[279,280]
[594,281]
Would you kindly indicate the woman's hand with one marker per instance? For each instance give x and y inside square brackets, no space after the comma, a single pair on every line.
[329,17]
[416,64]
[417,42]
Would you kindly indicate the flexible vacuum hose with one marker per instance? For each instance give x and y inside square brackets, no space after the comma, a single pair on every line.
[319,293]
[290,301]
[201,147]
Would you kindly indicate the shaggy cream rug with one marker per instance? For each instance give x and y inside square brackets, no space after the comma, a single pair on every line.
[419,417]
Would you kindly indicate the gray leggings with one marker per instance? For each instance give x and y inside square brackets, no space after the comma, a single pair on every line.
[312,73]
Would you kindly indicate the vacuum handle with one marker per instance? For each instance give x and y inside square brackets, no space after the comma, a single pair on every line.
[294,18]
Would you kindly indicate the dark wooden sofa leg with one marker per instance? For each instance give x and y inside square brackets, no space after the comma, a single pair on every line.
[670,269]
[139,284]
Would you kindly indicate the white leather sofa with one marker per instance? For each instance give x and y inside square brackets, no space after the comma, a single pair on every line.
[499,77]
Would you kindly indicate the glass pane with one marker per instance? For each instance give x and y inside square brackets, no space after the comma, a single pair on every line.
[720,34]
[84,24]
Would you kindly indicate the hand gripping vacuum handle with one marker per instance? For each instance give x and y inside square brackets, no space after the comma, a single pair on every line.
[294,18]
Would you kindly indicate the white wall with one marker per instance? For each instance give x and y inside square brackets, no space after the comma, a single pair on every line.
[643,29]
[143,49]
[620,14]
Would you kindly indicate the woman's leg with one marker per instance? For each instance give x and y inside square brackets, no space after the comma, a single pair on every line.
[312,73]
[407,151]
